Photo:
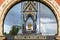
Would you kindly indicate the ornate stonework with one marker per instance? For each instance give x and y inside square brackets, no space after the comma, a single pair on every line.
[9,3]
[29,10]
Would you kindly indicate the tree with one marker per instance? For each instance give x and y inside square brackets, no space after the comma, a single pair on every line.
[5,33]
[14,30]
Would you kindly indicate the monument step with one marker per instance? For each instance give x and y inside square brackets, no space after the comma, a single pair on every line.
[30,37]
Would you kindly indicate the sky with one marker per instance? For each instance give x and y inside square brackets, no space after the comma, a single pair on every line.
[46,22]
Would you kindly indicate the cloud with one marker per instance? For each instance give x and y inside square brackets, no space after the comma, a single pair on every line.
[43,29]
[7,28]
[48,25]
[49,28]
[47,20]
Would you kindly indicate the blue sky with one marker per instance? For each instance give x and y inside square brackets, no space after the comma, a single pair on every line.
[47,22]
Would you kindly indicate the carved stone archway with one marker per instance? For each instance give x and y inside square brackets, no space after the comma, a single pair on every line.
[9,3]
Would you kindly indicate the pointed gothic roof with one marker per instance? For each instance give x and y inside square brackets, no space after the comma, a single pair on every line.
[30,7]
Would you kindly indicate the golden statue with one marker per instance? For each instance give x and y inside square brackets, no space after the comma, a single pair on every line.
[29,26]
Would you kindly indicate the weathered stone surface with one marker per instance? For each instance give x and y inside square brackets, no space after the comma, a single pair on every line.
[30,37]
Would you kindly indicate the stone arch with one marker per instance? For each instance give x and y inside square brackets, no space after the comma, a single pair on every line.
[32,17]
[50,3]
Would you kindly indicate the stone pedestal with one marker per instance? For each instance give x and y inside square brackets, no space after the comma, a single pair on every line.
[58,37]
[28,37]
[2,37]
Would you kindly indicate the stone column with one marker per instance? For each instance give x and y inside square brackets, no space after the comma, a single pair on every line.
[1,31]
[24,28]
[58,31]
[34,27]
